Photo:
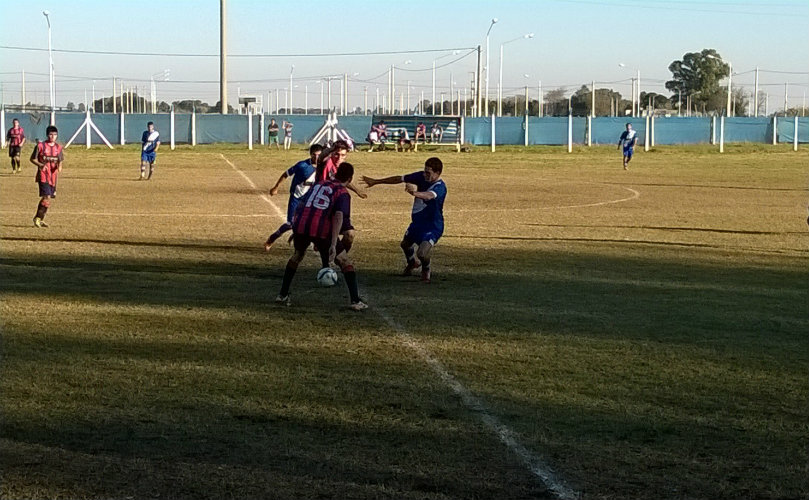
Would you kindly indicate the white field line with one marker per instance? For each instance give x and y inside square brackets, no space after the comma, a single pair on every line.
[535,464]
[263,196]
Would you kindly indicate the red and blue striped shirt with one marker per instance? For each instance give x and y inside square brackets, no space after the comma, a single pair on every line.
[316,210]
[50,155]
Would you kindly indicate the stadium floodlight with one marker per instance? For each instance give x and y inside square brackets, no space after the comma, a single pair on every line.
[486,105]
[500,84]
[50,64]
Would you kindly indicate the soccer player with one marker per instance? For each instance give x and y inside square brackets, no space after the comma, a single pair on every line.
[427,220]
[322,213]
[628,140]
[326,170]
[272,134]
[16,140]
[303,177]
[287,134]
[48,157]
[151,143]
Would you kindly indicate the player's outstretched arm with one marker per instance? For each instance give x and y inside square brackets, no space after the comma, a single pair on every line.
[274,189]
[371,182]
[352,187]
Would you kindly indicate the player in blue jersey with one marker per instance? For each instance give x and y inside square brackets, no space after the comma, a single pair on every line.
[303,177]
[150,144]
[627,141]
[427,219]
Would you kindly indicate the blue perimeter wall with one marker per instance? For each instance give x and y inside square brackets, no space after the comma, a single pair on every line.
[510,130]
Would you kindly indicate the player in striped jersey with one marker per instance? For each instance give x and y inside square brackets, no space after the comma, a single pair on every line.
[16,140]
[317,222]
[48,157]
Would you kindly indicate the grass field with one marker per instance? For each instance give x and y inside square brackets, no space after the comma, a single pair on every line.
[637,335]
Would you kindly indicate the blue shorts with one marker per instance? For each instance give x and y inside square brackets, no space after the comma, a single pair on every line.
[148,157]
[46,189]
[291,207]
[628,152]
[418,234]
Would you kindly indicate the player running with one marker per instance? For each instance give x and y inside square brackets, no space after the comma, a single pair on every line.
[427,219]
[628,140]
[303,177]
[322,211]
[16,140]
[48,157]
[151,143]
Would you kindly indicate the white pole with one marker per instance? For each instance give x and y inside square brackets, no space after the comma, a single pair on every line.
[638,93]
[493,141]
[463,130]
[340,110]
[249,129]
[593,100]
[795,138]
[365,104]
[755,99]
[3,126]
[23,93]
[500,85]
[713,130]
[652,124]
[433,101]
[721,134]
[646,134]
[526,128]
[94,97]
[87,129]
[541,101]
[486,97]
[123,114]
[729,111]
[194,127]
[569,132]
[171,122]
[277,101]
[376,103]
[786,90]
[589,131]
[774,130]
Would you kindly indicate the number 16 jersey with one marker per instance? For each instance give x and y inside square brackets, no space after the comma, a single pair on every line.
[316,209]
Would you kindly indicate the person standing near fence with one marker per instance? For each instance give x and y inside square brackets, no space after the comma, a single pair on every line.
[16,140]
[287,134]
[272,133]
[150,141]
[48,157]
[627,141]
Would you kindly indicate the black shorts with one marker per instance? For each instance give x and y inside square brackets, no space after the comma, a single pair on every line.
[14,151]
[301,242]
[46,190]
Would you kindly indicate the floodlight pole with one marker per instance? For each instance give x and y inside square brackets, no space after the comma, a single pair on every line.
[494,21]
[50,66]
[223,80]
[755,105]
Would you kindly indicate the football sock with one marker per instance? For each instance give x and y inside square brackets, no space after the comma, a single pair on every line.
[289,273]
[151,171]
[425,265]
[42,208]
[351,282]
[142,170]
[410,254]
[281,230]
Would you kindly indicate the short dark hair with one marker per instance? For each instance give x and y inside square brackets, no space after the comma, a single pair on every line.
[628,124]
[15,120]
[344,172]
[434,164]
[50,129]
[150,123]
[338,145]
[315,148]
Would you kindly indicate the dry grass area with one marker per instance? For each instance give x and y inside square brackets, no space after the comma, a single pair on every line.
[644,332]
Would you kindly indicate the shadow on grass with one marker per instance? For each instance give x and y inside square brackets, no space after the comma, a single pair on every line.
[190,402]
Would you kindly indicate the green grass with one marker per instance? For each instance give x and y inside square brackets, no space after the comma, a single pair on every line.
[649,348]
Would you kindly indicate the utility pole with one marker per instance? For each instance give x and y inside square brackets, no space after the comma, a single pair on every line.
[223,67]
[755,105]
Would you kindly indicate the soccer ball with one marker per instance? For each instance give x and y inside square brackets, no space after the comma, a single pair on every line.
[327,277]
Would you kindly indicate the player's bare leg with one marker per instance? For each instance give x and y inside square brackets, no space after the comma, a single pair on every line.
[424,254]
[143,165]
[410,256]
[151,171]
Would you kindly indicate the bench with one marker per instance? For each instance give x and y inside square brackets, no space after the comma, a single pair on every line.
[395,124]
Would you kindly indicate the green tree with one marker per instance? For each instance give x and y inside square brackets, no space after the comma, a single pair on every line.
[697,75]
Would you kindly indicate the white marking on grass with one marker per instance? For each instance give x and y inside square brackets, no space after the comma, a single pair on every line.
[535,464]
[263,196]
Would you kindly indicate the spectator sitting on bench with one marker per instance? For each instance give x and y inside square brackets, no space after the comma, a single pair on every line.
[436,132]
[404,141]
[421,131]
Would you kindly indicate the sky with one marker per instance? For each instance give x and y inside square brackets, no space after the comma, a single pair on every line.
[574,42]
